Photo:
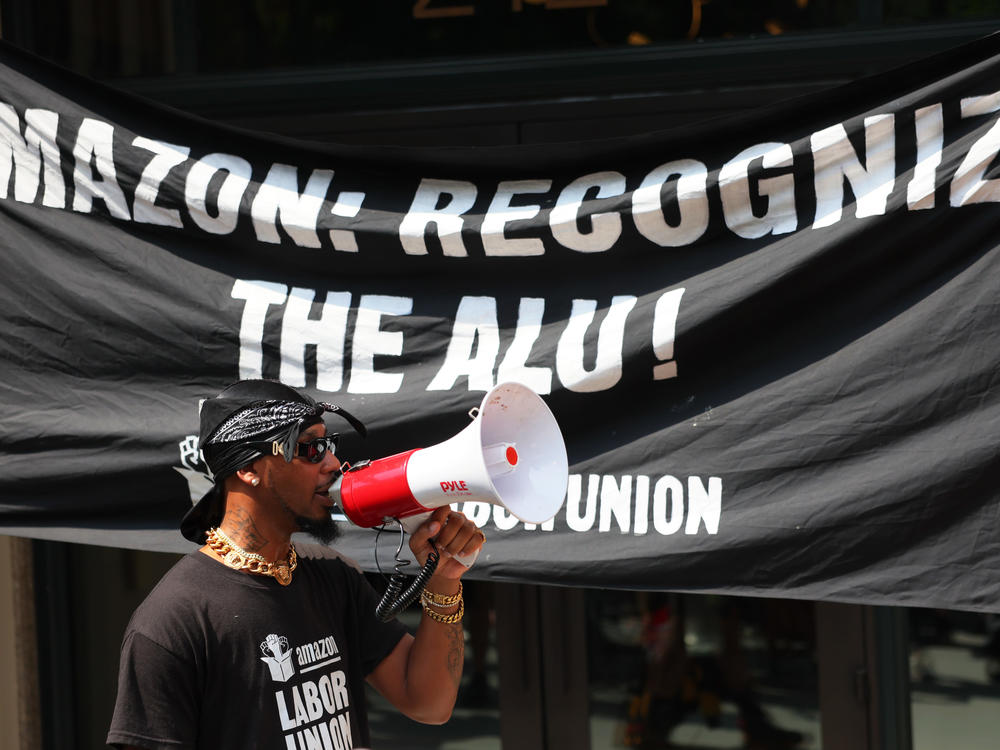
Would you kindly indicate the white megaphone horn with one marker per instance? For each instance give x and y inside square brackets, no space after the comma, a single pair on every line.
[512,454]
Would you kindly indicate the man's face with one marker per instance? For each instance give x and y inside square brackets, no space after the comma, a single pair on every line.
[301,488]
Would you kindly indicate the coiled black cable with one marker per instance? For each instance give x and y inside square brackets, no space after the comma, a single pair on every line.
[393,602]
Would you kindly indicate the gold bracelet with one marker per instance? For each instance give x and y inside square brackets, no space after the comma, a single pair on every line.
[442,600]
[427,603]
[446,619]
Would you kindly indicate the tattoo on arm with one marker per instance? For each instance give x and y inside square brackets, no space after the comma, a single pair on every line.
[245,532]
[456,652]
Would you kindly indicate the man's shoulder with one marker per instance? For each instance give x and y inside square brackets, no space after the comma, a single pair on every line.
[184,587]
[180,574]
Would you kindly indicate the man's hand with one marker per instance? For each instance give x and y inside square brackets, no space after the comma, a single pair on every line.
[453,534]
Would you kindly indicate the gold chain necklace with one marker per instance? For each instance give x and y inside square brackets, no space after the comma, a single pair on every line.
[238,558]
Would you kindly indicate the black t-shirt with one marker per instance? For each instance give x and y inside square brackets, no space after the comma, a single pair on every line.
[216,658]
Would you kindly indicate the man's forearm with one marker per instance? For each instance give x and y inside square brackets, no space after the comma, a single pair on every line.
[434,664]
[422,674]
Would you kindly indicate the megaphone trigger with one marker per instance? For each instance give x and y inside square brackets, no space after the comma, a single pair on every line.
[411,523]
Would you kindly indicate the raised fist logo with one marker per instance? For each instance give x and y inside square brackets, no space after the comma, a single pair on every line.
[278,657]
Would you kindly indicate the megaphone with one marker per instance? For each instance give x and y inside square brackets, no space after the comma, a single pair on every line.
[512,454]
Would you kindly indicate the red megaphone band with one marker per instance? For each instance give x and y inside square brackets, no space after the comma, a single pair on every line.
[372,491]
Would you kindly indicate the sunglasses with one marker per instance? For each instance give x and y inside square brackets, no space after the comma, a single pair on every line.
[312,451]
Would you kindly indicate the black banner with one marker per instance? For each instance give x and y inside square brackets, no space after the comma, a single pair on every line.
[771,342]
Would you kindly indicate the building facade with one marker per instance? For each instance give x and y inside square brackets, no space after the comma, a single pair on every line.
[546,667]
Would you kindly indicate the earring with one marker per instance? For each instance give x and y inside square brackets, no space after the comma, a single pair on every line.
[255,481]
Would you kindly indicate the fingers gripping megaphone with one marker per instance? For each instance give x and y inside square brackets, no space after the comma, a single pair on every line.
[512,454]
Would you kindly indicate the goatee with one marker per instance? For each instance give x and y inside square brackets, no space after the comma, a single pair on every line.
[324,530]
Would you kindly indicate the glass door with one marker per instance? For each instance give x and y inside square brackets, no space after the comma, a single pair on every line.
[954,678]
[685,671]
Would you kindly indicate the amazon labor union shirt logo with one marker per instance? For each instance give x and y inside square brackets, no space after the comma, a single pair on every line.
[278,657]
[314,709]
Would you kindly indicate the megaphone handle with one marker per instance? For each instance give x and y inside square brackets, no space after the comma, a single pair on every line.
[412,523]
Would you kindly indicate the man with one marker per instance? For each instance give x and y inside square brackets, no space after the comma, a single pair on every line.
[250,642]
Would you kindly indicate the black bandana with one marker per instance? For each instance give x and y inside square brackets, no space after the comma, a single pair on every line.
[261,418]
[245,434]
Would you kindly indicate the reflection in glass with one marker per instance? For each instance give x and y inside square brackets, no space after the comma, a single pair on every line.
[954,679]
[676,671]
[110,38]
